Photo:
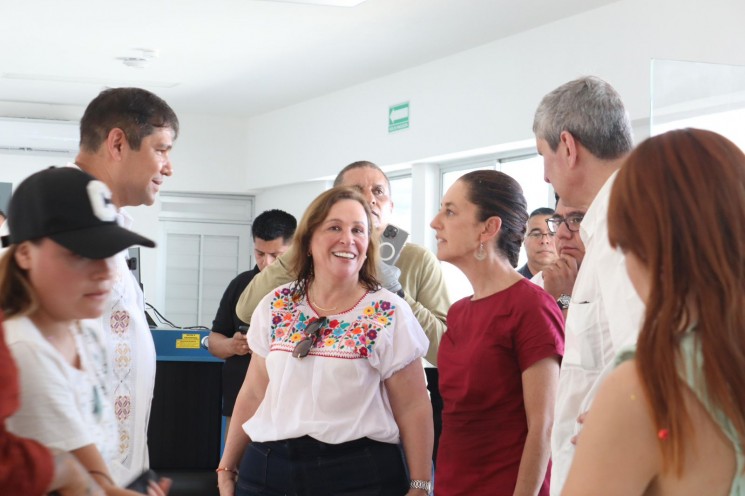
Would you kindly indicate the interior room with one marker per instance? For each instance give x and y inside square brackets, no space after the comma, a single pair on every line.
[274,97]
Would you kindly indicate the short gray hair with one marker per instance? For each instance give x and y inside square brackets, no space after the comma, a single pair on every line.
[592,111]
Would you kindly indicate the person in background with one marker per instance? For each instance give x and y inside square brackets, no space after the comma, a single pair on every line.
[56,272]
[272,233]
[126,136]
[335,381]
[558,278]
[584,133]
[3,217]
[26,466]
[499,360]
[673,409]
[416,272]
[539,243]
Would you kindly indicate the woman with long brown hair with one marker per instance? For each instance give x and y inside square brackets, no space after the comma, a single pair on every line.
[335,381]
[671,418]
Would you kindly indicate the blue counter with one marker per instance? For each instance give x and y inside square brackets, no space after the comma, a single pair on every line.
[186,425]
[180,345]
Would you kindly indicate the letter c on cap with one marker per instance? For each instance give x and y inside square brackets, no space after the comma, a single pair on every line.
[100,197]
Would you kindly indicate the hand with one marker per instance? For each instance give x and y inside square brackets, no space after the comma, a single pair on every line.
[239,344]
[559,277]
[388,276]
[71,478]
[226,483]
[580,420]
[417,492]
[160,488]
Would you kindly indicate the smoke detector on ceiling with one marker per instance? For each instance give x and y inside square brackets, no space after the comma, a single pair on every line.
[140,60]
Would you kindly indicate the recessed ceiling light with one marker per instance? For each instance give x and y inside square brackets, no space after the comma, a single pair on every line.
[331,3]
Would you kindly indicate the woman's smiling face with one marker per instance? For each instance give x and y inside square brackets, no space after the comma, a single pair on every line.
[339,243]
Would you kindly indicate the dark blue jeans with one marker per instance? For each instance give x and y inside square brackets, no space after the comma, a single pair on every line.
[307,467]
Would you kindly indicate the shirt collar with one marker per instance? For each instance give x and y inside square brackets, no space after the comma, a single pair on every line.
[597,214]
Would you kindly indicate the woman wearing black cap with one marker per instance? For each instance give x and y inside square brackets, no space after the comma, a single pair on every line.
[56,272]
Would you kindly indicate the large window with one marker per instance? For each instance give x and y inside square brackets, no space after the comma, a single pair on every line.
[527,169]
[700,95]
[401,195]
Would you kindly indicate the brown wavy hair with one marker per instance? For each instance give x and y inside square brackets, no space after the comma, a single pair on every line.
[17,296]
[302,262]
[678,204]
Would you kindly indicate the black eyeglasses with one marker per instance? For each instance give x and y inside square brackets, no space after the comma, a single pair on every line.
[572,222]
[302,348]
[538,235]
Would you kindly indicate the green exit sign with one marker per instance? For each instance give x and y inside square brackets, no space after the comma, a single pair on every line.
[398,117]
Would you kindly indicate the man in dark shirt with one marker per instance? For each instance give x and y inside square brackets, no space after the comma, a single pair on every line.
[539,243]
[272,233]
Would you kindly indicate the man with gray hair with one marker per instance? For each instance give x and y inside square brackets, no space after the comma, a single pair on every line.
[583,132]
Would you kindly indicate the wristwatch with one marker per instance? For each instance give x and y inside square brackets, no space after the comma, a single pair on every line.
[563,301]
[420,484]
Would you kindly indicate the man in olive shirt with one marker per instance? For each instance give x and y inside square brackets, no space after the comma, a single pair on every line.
[420,278]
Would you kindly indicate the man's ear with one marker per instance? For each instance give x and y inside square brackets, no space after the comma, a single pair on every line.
[116,141]
[23,255]
[570,148]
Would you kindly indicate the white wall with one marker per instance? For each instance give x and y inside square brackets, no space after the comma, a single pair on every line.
[487,95]
[293,199]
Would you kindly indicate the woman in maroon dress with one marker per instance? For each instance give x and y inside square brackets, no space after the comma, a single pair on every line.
[499,359]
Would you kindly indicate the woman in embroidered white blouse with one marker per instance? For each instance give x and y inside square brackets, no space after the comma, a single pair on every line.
[335,384]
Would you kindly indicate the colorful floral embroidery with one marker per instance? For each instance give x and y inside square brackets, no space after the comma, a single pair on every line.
[340,338]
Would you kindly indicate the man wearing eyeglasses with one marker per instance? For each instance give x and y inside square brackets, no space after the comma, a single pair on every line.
[539,243]
[584,134]
[558,278]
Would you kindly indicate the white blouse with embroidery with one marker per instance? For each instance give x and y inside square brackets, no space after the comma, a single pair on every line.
[336,393]
[61,406]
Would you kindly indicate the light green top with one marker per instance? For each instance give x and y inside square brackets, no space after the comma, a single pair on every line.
[693,364]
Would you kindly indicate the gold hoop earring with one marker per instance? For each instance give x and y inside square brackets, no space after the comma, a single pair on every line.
[480,254]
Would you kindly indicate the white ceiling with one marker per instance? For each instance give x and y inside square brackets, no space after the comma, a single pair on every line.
[241,57]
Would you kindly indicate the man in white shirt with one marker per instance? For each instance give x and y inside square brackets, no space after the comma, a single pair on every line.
[584,133]
[126,135]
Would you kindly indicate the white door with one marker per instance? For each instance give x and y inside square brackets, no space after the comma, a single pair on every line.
[198,260]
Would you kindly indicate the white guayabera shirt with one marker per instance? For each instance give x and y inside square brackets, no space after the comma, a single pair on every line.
[604,317]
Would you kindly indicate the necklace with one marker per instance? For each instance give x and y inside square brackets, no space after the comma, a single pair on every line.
[320,307]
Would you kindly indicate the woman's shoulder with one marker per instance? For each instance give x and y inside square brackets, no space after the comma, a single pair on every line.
[623,397]
[21,330]
[282,297]
[528,300]
[383,300]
